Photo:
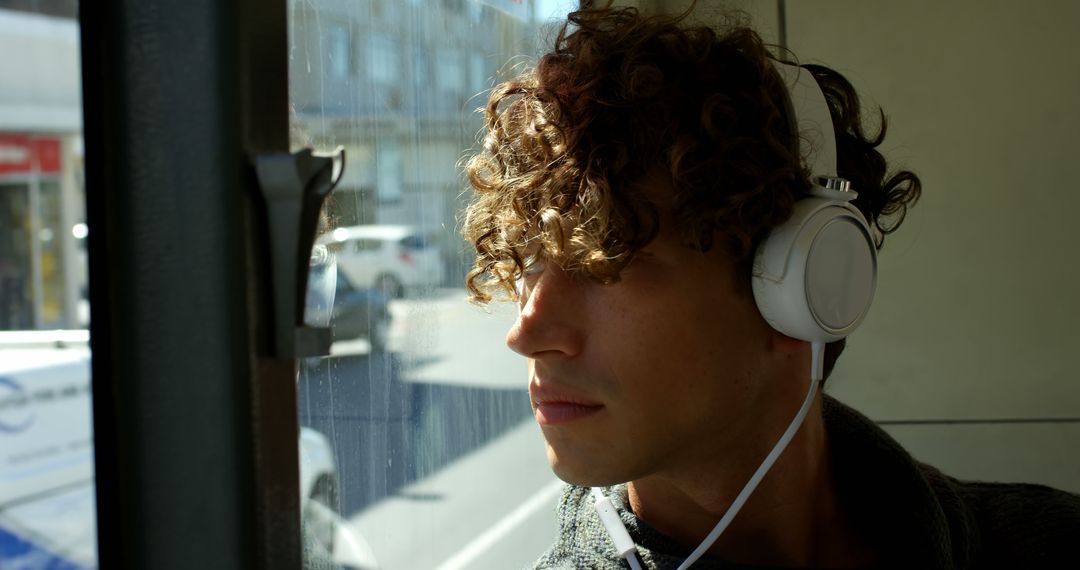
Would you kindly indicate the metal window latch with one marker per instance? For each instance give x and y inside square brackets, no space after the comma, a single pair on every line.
[294,187]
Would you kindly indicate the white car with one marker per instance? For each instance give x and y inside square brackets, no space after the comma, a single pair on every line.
[390,258]
[328,543]
[47,512]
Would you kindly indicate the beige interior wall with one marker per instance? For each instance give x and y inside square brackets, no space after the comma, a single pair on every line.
[761,14]
[977,307]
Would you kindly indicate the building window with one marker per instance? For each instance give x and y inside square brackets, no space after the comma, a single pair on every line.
[478,73]
[384,60]
[449,71]
[337,51]
[388,170]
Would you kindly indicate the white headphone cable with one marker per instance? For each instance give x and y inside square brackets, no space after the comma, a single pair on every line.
[617,531]
[817,351]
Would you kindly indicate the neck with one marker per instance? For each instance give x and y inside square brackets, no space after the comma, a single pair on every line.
[794,518]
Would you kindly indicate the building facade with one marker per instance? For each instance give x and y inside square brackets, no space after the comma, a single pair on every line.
[398,84]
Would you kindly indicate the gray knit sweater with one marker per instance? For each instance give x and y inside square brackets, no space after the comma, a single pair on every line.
[915,516]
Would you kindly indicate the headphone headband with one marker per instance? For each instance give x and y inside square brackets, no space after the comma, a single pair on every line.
[809,114]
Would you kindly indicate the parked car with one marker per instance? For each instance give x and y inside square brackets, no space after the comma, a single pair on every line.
[390,258]
[328,542]
[361,313]
[350,312]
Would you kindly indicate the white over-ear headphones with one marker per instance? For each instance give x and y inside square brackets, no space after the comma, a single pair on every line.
[814,276]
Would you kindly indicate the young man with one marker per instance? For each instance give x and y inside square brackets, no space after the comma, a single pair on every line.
[624,189]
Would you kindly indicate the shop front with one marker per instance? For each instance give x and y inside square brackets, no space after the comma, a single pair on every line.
[39,265]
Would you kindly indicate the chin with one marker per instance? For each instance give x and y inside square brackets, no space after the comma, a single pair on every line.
[593,472]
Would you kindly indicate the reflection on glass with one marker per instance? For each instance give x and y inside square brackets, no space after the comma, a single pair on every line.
[47,507]
[422,408]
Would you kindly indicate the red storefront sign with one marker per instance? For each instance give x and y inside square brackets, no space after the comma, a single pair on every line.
[21,154]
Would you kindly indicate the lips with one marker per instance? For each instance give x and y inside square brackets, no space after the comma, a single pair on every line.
[554,405]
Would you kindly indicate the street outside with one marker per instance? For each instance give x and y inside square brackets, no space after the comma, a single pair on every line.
[440,463]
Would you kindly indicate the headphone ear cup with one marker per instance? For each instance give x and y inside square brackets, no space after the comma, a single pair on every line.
[814,276]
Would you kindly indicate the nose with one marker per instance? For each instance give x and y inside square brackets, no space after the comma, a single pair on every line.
[550,316]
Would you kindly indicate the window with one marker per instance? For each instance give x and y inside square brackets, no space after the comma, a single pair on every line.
[384,60]
[449,70]
[416,242]
[421,69]
[401,401]
[338,51]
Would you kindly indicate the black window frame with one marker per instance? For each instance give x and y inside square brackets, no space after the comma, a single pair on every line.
[195,422]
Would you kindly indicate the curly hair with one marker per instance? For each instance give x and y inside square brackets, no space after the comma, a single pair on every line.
[571,146]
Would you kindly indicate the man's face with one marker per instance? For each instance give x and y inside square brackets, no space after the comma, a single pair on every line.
[664,368]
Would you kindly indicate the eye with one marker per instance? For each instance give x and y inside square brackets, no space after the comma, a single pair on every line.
[534,266]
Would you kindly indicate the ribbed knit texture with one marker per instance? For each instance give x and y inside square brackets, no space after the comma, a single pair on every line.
[915,516]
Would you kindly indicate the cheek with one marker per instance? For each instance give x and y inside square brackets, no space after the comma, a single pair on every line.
[658,347]
[690,348]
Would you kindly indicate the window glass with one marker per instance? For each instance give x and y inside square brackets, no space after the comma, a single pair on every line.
[47,502]
[388,170]
[366,245]
[436,462]
[416,241]
[478,75]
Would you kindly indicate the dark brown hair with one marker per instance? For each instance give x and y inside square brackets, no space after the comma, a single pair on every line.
[621,98]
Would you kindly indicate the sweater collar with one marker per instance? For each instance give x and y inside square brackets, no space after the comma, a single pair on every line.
[913,513]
